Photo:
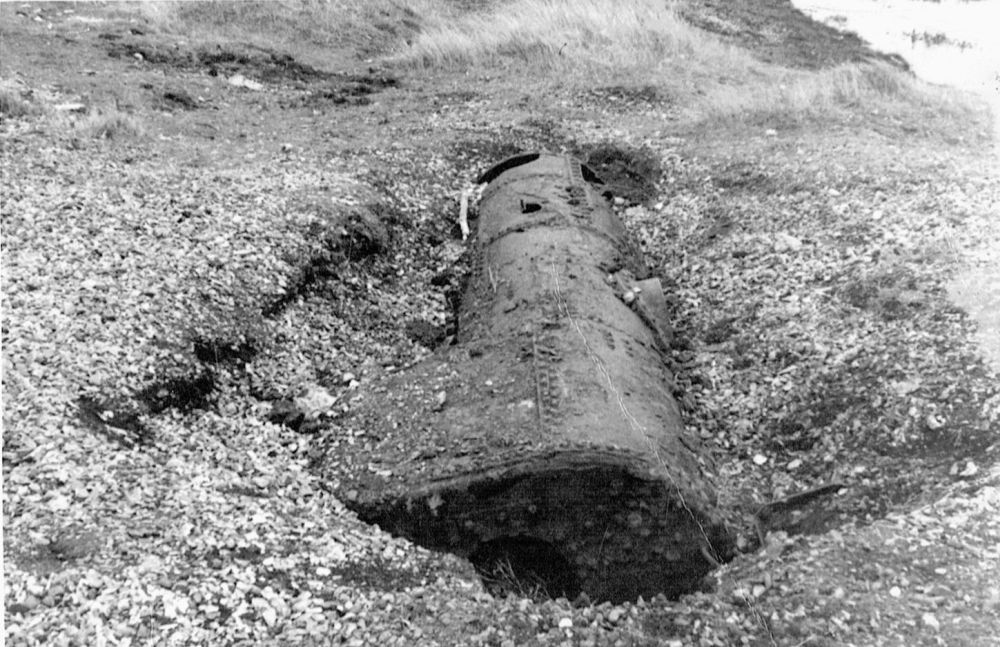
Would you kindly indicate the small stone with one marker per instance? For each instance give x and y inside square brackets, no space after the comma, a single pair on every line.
[615,615]
[786,243]
[931,621]
[970,469]
[566,623]
[59,503]
[895,592]
[151,564]
[314,401]
[759,459]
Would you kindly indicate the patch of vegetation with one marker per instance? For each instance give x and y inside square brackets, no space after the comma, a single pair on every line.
[525,567]
[109,124]
[381,575]
[892,292]
[13,104]
[626,94]
[228,337]
[792,96]
[628,172]
[557,34]
[117,420]
[352,89]
[936,38]
[263,63]
[742,175]
[219,350]
[66,546]
[341,238]
[663,623]
[180,99]
[721,330]
[184,392]
[425,333]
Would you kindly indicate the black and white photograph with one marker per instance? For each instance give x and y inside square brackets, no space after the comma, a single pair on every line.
[500,323]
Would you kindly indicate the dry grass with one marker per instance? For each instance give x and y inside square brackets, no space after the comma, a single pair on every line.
[13,105]
[794,95]
[565,33]
[502,579]
[108,124]
[589,41]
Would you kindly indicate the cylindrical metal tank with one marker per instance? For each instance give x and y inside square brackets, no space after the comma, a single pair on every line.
[549,427]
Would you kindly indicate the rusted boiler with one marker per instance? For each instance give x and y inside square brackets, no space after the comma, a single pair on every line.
[547,434]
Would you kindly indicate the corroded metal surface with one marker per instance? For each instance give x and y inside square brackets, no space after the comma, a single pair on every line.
[552,417]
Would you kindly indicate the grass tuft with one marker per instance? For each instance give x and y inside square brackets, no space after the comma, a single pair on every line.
[502,579]
[13,105]
[109,124]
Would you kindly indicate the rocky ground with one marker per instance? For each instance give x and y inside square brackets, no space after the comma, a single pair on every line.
[207,253]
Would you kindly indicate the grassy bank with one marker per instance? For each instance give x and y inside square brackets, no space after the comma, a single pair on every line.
[642,42]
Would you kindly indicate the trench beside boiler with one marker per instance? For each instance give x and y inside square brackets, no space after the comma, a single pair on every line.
[549,427]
